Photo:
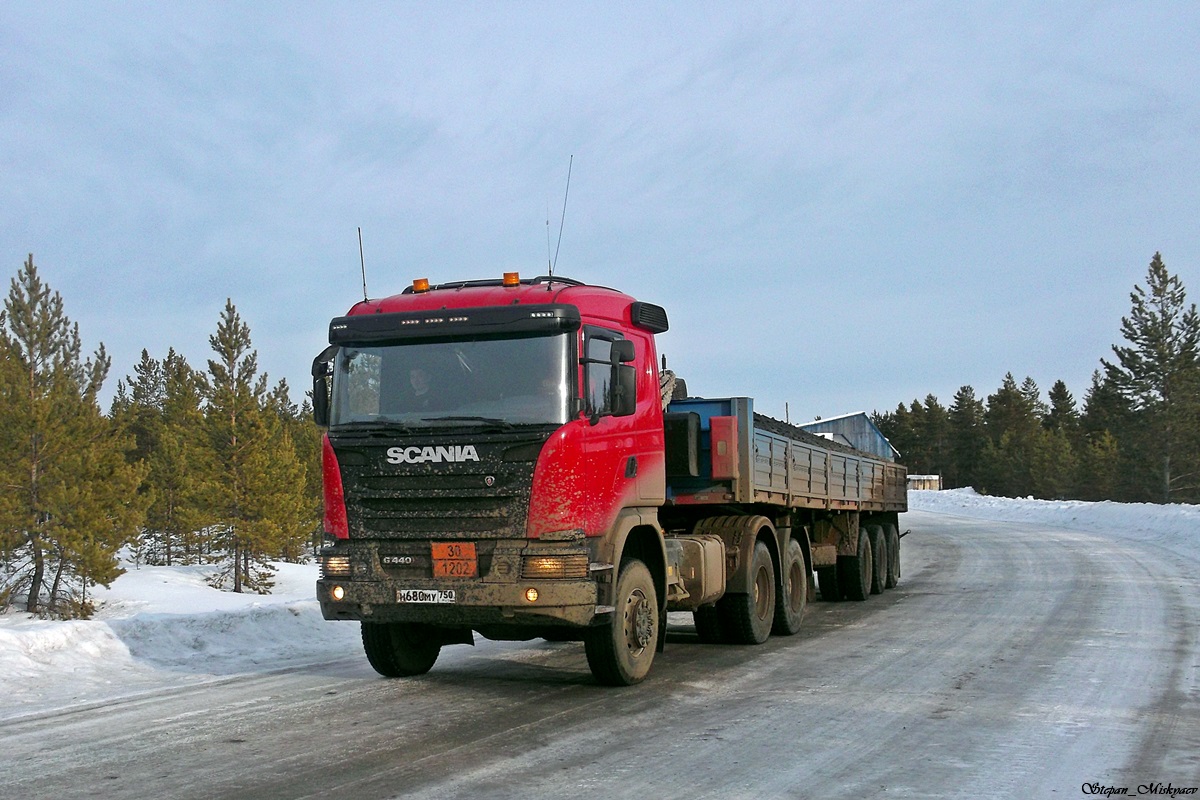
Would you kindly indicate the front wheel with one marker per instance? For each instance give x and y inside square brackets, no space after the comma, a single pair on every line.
[399,649]
[620,654]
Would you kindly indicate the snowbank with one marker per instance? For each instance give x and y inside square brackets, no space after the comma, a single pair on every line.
[1175,527]
[159,627]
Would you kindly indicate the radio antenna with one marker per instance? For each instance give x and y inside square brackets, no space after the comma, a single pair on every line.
[363,262]
[563,221]
[549,257]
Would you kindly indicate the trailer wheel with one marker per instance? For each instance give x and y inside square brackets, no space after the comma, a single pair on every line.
[708,625]
[855,572]
[893,550]
[746,618]
[827,580]
[399,649]
[792,596]
[879,560]
[620,654]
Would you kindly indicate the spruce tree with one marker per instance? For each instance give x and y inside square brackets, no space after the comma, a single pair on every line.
[1052,465]
[1158,373]
[967,437]
[1062,415]
[1012,420]
[72,498]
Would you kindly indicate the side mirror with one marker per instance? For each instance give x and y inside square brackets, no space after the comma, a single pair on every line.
[322,373]
[624,391]
[622,352]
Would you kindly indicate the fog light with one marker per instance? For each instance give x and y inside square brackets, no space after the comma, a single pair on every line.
[337,592]
[531,594]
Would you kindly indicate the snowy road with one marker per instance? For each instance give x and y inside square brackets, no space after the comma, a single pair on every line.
[1015,660]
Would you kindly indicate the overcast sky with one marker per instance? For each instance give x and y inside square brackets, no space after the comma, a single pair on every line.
[842,206]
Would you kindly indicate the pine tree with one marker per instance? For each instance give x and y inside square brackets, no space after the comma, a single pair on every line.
[298,432]
[72,498]
[258,496]
[1158,374]
[160,404]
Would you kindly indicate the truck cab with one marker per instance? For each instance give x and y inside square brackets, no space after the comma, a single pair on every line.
[493,462]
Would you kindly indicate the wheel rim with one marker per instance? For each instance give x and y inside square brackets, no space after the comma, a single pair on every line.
[762,593]
[795,581]
[639,622]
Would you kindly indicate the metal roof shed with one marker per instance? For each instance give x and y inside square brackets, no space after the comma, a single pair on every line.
[856,430]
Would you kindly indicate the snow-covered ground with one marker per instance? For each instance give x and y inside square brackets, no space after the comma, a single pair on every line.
[159,627]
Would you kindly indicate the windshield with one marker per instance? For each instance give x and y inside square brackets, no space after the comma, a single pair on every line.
[509,381]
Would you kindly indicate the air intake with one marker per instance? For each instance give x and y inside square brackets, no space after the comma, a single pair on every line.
[648,316]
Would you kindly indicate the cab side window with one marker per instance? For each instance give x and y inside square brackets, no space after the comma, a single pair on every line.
[598,372]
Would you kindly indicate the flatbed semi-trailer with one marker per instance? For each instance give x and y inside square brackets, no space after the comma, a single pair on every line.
[508,458]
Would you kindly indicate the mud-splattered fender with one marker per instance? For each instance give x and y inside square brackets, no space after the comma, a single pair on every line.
[635,533]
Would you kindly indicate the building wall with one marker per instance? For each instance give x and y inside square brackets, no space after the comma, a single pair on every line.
[858,431]
[925,482]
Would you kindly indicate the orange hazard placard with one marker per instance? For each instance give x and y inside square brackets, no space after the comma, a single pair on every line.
[454,560]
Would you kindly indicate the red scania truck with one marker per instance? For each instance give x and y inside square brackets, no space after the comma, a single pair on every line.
[506,457]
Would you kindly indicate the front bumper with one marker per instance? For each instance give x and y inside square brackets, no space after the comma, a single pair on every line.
[499,596]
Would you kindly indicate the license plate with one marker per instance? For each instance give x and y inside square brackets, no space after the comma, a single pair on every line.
[454,560]
[425,596]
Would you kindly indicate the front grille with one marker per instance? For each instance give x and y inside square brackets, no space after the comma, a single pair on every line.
[486,500]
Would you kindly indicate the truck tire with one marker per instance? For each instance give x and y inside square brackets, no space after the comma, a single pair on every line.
[746,618]
[620,654]
[827,580]
[792,596]
[855,572]
[893,550]
[399,649]
[708,625]
[879,559]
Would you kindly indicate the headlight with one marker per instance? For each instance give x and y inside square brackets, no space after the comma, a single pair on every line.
[550,567]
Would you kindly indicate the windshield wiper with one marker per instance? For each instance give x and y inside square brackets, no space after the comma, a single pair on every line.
[379,429]
[495,422]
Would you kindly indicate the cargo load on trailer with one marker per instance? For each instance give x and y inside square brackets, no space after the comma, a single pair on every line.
[509,458]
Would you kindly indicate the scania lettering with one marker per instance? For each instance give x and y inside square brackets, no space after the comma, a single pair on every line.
[420,455]
[509,458]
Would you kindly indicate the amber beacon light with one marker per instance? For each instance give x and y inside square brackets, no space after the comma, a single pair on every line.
[512,279]
[421,285]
